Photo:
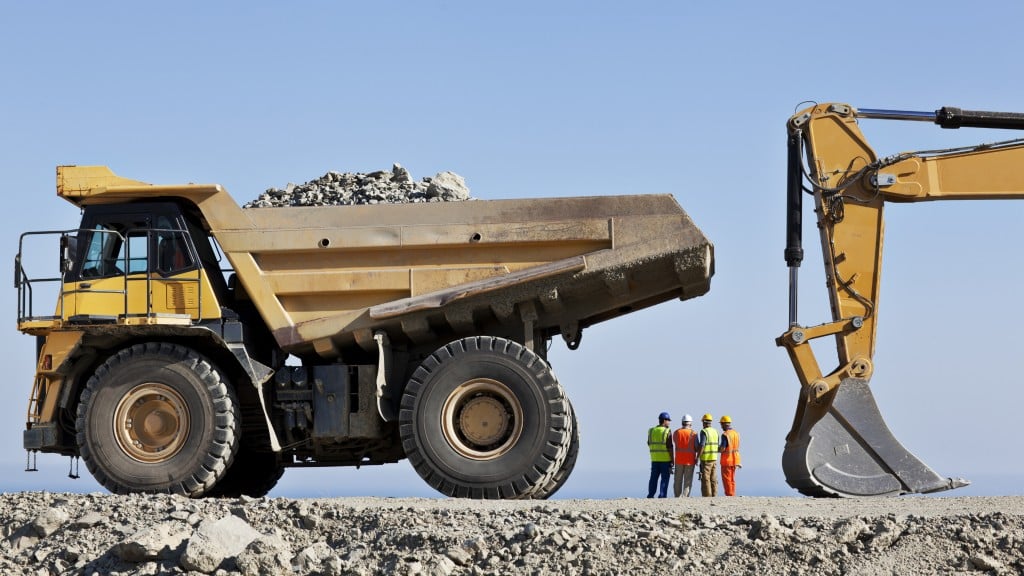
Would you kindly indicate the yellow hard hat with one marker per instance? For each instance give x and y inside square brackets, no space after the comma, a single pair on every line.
[726,420]
[707,417]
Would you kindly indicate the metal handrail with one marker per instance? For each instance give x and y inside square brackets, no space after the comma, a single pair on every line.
[24,283]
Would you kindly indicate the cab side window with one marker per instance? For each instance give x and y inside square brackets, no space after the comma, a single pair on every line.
[172,253]
[104,253]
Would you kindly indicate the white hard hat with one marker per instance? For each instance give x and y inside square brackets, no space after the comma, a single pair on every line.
[687,418]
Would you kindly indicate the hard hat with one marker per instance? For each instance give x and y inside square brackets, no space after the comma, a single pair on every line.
[707,417]
[726,420]
[687,418]
[664,416]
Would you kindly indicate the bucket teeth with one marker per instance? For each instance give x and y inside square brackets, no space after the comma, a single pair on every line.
[851,452]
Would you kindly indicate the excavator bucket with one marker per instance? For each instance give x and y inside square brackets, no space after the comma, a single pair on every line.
[849,451]
[839,444]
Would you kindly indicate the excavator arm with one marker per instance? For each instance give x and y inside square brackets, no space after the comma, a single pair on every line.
[839,444]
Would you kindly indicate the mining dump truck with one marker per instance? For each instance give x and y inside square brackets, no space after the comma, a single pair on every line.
[199,348]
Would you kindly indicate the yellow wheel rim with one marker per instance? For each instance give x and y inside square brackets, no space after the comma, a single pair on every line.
[482,419]
[151,423]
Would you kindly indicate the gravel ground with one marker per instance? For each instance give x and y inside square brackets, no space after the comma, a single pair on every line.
[47,533]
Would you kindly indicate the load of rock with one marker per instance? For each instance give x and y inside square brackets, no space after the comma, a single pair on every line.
[395,186]
[100,534]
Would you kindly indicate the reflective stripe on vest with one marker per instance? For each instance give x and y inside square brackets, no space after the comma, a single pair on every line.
[682,439]
[656,439]
[709,451]
[731,454]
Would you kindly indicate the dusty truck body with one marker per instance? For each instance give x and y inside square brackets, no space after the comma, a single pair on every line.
[200,348]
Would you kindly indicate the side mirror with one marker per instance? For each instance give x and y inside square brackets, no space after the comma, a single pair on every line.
[68,252]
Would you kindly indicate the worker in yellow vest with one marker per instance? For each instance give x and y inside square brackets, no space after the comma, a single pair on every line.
[730,447]
[707,456]
[659,443]
[685,456]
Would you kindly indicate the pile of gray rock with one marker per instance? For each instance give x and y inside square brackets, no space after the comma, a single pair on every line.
[50,534]
[381,187]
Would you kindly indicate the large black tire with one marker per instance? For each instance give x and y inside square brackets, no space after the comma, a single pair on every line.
[252,474]
[562,474]
[484,417]
[157,418]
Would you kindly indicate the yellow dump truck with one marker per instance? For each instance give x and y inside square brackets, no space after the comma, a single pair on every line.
[200,348]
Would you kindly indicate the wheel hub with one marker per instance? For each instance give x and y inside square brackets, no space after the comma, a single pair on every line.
[151,423]
[482,419]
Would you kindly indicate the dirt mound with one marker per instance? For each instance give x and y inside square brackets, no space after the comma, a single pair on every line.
[395,186]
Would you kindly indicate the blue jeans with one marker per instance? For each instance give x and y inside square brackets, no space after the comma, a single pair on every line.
[660,472]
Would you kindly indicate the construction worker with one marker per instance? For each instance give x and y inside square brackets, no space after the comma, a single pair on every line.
[659,442]
[685,456]
[706,447]
[730,448]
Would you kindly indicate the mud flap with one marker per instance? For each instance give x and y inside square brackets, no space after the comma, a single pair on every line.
[851,452]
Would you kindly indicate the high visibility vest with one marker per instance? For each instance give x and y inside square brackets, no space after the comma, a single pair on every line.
[656,439]
[682,439]
[709,451]
[731,454]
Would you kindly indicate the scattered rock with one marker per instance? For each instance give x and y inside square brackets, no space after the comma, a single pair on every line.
[87,520]
[265,556]
[214,541]
[986,563]
[49,522]
[154,542]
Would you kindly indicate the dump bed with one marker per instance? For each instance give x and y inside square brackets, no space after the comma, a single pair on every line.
[325,279]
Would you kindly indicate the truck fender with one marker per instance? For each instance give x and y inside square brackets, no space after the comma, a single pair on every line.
[258,374]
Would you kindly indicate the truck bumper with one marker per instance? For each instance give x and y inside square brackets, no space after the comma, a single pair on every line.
[41,437]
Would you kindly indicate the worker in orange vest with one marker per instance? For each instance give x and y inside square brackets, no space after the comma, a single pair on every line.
[685,456]
[730,448]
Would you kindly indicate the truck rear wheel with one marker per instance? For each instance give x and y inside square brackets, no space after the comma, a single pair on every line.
[484,417]
[157,417]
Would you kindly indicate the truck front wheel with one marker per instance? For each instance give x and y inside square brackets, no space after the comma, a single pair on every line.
[157,417]
[484,417]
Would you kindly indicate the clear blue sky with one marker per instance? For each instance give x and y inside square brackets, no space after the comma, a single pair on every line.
[536,99]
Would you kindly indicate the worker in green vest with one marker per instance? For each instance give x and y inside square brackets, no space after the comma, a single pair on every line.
[707,457]
[659,443]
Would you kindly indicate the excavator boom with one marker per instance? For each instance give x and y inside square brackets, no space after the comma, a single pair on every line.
[839,444]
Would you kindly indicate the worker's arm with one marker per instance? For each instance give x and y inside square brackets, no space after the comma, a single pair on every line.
[671,451]
[698,444]
[723,442]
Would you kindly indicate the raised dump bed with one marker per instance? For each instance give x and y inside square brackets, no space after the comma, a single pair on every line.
[431,320]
